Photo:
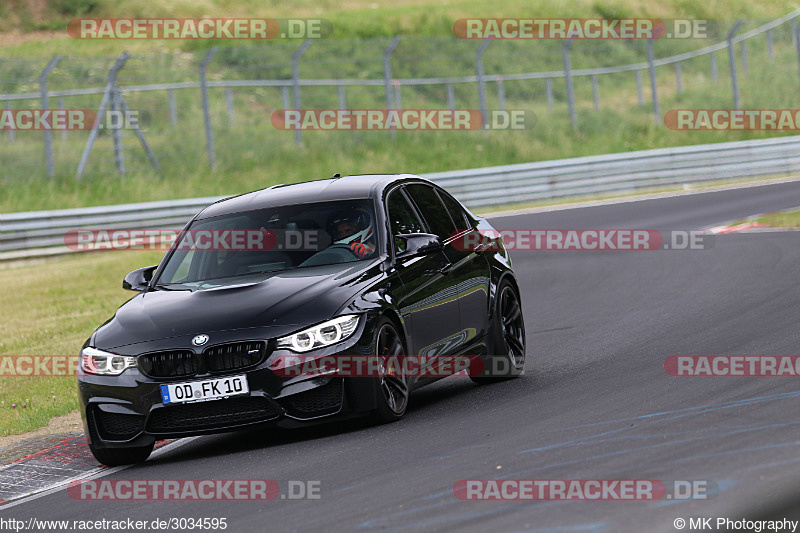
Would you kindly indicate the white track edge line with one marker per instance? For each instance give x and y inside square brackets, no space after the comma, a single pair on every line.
[92,474]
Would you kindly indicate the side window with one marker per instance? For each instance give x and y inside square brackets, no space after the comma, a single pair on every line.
[402,218]
[456,211]
[433,211]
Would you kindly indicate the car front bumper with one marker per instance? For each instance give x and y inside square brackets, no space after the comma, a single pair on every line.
[129,410]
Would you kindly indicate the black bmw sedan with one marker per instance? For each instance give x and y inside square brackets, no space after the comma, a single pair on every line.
[368,266]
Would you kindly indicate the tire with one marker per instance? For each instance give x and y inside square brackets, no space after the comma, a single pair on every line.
[391,391]
[507,359]
[122,456]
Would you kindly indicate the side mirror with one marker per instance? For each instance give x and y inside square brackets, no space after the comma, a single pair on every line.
[139,278]
[418,244]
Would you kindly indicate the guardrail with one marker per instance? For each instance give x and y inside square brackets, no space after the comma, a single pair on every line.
[629,171]
[42,232]
[37,233]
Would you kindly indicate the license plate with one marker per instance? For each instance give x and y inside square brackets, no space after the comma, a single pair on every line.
[209,389]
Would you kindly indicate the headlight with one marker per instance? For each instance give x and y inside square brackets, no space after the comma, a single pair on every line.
[94,361]
[324,334]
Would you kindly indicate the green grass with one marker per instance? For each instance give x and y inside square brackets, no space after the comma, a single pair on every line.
[252,154]
[783,219]
[56,304]
[42,398]
[364,18]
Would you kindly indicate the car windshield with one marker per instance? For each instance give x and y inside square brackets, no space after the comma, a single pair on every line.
[242,247]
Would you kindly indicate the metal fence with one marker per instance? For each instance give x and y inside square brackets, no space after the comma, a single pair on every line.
[43,232]
[378,73]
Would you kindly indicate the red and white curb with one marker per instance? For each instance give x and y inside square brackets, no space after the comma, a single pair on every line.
[751,224]
[746,226]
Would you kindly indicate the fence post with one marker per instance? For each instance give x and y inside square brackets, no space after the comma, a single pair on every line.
[639,94]
[732,61]
[796,39]
[285,97]
[116,133]
[744,56]
[150,155]
[229,104]
[11,136]
[501,94]
[653,86]
[678,78]
[714,73]
[568,77]
[451,97]
[48,137]
[398,100]
[548,88]
[481,82]
[61,107]
[173,112]
[298,134]
[387,70]
[212,157]
[769,45]
[595,93]
[342,99]
[111,86]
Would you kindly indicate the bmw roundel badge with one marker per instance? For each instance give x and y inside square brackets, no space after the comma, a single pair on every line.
[200,340]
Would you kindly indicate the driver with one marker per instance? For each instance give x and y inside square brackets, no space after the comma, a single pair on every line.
[352,228]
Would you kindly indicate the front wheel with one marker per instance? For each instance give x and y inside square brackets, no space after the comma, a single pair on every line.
[392,389]
[122,456]
[507,359]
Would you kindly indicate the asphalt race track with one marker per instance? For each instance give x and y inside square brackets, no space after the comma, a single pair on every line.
[595,403]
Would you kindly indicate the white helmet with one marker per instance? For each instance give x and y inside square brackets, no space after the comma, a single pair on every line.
[360,218]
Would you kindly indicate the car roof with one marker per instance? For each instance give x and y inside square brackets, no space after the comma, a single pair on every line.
[332,189]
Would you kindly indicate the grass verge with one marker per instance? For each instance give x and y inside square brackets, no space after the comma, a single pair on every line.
[783,219]
[252,154]
[51,307]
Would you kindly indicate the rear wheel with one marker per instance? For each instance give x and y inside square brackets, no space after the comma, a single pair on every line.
[122,456]
[392,389]
[508,331]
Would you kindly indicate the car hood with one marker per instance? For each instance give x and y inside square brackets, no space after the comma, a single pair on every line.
[278,305]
